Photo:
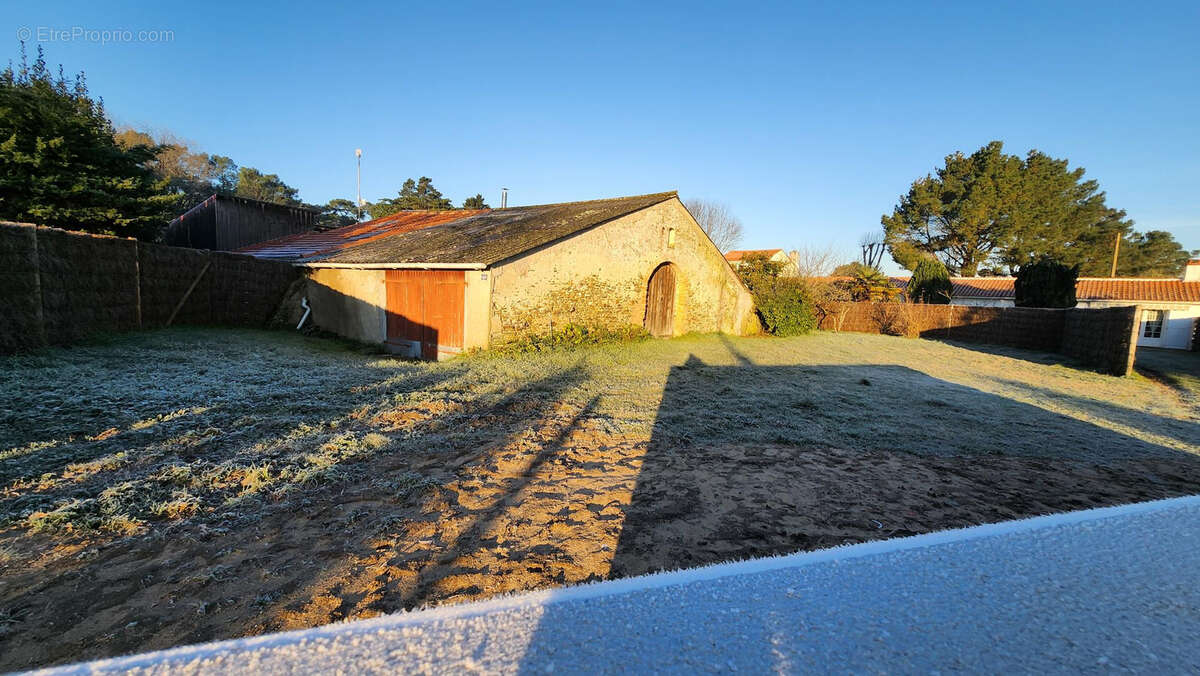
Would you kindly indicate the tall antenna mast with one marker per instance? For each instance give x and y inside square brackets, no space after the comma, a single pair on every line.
[358,203]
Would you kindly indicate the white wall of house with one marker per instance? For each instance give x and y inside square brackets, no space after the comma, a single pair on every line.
[1179,321]
[983,302]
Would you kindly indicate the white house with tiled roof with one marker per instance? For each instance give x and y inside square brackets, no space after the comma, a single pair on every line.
[787,260]
[1170,306]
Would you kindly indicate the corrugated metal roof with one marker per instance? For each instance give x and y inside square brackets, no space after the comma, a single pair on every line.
[243,200]
[309,244]
[738,255]
[488,237]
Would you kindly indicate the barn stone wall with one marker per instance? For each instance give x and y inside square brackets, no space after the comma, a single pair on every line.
[350,303]
[599,277]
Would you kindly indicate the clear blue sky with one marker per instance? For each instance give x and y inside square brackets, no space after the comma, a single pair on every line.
[807,120]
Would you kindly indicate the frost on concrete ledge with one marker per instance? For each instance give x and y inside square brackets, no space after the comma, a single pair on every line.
[1067,592]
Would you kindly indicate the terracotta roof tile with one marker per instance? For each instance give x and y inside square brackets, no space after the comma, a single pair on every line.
[1168,290]
[973,287]
[738,255]
[1162,290]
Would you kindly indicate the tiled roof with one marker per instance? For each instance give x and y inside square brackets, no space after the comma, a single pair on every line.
[1162,290]
[489,237]
[973,287]
[734,256]
[308,244]
[1168,290]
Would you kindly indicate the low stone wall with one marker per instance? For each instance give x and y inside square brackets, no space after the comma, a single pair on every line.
[1101,338]
[59,287]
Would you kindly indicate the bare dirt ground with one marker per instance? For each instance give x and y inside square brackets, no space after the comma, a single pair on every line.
[189,485]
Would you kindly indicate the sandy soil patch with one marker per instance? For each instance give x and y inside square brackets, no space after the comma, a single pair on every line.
[371,487]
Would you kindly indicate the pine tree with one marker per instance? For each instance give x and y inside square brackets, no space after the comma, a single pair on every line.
[930,283]
[475,202]
[991,209]
[1046,283]
[61,166]
[418,194]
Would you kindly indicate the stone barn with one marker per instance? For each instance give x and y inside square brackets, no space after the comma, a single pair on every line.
[435,283]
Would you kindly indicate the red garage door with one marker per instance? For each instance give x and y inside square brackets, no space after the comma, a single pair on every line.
[425,310]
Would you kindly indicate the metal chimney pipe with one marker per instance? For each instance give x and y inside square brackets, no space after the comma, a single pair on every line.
[503,198]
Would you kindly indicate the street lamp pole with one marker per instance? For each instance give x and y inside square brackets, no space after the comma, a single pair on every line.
[358,203]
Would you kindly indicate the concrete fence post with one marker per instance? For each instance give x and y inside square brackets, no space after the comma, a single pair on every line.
[1131,334]
[40,316]
[137,283]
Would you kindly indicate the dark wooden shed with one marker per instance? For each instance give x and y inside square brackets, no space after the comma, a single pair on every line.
[226,223]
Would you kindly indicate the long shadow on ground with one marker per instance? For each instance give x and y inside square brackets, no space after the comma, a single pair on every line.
[748,460]
[486,488]
[738,484]
[328,541]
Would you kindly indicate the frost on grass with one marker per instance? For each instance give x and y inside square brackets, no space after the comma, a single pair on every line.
[226,482]
[166,427]
[172,425]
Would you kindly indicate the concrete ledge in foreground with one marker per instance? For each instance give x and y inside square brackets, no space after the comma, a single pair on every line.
[1106,589]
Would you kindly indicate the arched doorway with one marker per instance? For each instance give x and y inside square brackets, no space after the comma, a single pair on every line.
[660,301]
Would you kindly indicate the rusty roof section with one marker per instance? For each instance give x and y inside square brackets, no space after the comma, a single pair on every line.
[1160,290]
[739,254]
[309,244]
[489,237]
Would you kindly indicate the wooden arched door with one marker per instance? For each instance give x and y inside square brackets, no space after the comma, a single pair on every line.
[660,301]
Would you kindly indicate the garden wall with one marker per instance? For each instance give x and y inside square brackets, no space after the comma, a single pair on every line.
[1101,338]
[59,287]
[20,290]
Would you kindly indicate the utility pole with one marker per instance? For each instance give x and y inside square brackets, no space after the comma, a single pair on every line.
[358,203]
[1116,250]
